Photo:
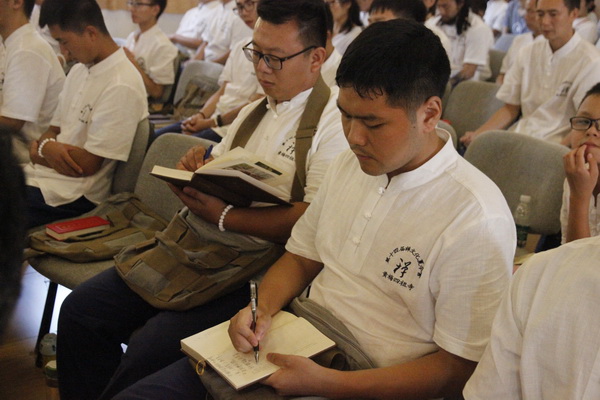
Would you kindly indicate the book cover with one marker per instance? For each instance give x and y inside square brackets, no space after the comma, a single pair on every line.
[238,178]
[76,227]
[288,334]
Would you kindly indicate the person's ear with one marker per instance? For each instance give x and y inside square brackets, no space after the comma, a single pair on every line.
[431,112]
[317,58]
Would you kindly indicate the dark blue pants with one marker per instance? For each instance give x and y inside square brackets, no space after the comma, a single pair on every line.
[104,312]
[177,381]
[208,134]
[40,213]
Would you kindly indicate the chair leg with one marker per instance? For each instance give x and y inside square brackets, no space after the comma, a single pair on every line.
[46,320]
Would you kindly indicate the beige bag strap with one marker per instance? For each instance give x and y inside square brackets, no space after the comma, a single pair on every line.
[317,100]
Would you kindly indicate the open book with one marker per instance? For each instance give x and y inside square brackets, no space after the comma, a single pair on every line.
[238,177]
[288,335]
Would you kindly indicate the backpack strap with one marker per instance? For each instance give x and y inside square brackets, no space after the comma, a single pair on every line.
[317,100]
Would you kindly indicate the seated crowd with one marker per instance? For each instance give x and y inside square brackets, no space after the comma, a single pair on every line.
[370,76]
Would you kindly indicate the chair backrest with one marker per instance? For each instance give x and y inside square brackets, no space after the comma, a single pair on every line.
[470,104]
[126,173]
[205,73]
[521,164]
[165,151]
[496,57]
[504,41]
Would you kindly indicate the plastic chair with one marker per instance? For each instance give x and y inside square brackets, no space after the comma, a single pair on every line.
[496,57]
[470,104]
[521,164]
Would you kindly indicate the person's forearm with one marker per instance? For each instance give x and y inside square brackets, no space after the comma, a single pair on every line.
[11,123]
[284,280]
[271,223]
[501,119]
[578,221]
[51,133]
[436,375]
[221,60]
[153,89]
[192,43]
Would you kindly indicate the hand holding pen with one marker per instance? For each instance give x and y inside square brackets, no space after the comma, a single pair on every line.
[253,305]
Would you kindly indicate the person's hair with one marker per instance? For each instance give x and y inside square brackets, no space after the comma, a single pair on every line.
[570,4]
[329,20]
[309,15]
[411,9]
[162,4]
[72,15]
[462,18]
[353,16]
[13,228]
[28,7]
[594,91]
[401,59]
[479,7]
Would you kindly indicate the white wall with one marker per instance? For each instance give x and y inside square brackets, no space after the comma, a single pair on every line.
[119,22]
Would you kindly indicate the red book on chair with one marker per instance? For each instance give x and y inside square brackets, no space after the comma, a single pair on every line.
[76,227]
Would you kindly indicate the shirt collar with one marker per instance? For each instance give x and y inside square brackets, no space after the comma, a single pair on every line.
[566,49]
[433,168]
[21,31]
[108,63]
[294,102]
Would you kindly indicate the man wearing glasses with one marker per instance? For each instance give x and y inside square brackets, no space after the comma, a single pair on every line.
[149,49]
[548,78]
[287,50]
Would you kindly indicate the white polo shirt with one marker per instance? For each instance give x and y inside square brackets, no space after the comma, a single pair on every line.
[411,265]
[470,47]
[31,82]
[545,342]
[330,66]
[587,29]
[99,110]
[549,86]
[593,210]
[223,32]
[274,139]
[154,53]
[241,83]
[342,40]
[495,14]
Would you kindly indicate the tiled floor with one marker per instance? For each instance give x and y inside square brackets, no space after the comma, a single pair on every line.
[19,378]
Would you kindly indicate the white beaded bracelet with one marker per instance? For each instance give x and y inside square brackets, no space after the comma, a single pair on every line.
[41,146]
[222,217]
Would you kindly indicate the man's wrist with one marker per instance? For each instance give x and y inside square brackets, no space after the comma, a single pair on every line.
[42,144]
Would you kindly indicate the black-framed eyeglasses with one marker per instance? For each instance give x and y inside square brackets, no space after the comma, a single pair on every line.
[245,6]
[272,61]
[135,4]
[584,123]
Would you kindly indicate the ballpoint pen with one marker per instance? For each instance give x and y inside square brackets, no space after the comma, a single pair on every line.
[207,153]
[253,303]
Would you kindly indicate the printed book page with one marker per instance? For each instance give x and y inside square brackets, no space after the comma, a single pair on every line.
[288,335]
[247,162]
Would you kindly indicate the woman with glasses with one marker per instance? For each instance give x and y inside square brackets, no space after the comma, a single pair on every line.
[579,216]
[346,23]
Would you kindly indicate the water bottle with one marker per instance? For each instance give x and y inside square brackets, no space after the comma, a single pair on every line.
[51,381]
[522,216]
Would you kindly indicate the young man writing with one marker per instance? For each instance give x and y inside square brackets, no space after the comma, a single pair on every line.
[287,49]
[384,249]
[102,102]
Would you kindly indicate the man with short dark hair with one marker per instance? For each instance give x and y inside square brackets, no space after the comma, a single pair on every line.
[405,279]
[548,79]
[32,77]
[99,108]
[287,50]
